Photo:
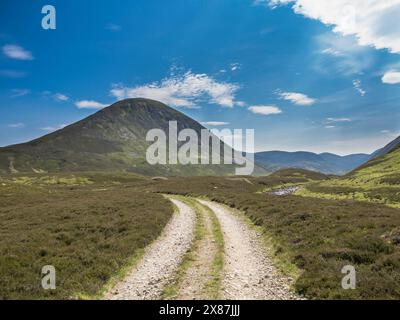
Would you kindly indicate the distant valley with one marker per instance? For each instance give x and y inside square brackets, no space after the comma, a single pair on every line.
[327,163]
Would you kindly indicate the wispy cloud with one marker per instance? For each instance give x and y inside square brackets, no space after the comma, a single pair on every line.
[391,77]
[53,128]
[265,110]
[333,120]
[16,93]
[338,54]
[358,86]
[113,27]
[235,66]
[184,90]
[371,22]
[215,123]
[90,104]
[296,98]
[12,74]
[16,52]
[391,134]
[60,97]
[18,125]
[333,52]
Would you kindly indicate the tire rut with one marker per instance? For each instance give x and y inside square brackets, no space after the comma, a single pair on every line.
[194,282]
[160,260]
[248,272]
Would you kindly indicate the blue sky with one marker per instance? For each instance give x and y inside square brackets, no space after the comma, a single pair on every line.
[296,71]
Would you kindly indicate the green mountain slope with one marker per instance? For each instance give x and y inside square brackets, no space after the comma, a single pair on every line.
[376,181]
[113,139]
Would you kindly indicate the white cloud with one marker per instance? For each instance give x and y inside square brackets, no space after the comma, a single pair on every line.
[16,52]
[61,97]
[16,125]
[185,90]
[391,77]
[331,120]
[265,110]
[299,99]
[53,128]
[235,66]
[19,92]
[358,86]
[373,23]
[330,127]
[215,123]
[90,104]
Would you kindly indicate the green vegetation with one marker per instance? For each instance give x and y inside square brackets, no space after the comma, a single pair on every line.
[89,232]
[318,236]
[93,226]
[378,181]
[213,286]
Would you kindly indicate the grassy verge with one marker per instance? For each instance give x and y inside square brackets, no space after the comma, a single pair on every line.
[116,277]
[213,286]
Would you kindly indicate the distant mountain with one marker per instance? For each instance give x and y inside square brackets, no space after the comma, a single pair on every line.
[327,163]
[113,139]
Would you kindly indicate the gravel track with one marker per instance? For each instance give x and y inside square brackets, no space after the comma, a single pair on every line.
[248,272]
[198,274]
[161,259]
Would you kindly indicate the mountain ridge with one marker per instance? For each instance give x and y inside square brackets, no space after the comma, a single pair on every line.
[327,163]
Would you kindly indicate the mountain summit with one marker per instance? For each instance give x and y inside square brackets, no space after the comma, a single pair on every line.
[114,139]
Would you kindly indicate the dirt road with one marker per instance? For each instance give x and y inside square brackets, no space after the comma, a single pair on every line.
[248,272]
[185,259]
[160,260]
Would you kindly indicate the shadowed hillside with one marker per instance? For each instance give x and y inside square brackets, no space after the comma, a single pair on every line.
[113,139]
